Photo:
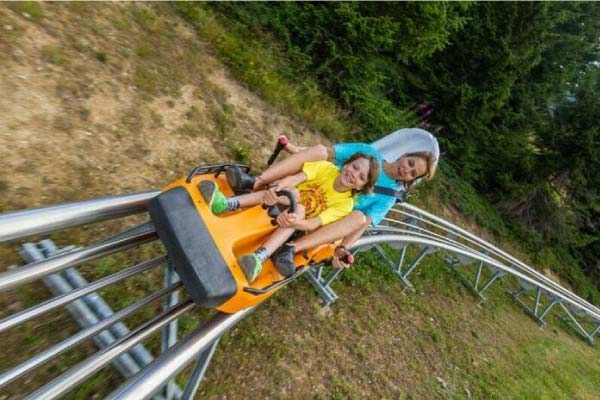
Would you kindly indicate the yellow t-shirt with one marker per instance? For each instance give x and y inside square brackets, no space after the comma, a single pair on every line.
[318,196]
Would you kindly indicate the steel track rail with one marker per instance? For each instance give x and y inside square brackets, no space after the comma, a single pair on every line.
[448,226]
[582,304]
[59,348]
[155,375]
[37,221]
[36,270]
[67,381]
[58,301]
[370,240]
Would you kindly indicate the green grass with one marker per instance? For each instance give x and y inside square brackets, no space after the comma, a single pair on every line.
[101,56]
[54,55]
[260,64]
[32,8]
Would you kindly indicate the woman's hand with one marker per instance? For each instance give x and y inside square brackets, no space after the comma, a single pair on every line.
[341,253]
[292,148]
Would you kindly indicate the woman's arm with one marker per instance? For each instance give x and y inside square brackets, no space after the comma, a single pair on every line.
[342,251]
[293,164]
[291,148]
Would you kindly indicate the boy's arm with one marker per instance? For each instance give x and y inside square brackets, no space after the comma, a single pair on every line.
[288,182]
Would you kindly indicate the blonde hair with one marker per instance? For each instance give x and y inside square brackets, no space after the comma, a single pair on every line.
[430,162]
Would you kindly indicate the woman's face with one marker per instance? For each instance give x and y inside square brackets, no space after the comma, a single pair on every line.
[355,174]
[408,168]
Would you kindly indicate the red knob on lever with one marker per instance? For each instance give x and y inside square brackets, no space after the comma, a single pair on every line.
[349,259]
[282,140]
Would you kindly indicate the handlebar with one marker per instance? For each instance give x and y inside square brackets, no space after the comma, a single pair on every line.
[274,211]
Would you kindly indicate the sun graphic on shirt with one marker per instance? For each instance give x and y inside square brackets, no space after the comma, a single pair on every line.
[313,198]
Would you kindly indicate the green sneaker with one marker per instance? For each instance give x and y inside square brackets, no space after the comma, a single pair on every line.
[215,199]
[251,266]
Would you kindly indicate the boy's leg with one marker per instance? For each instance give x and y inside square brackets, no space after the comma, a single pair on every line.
[252,263]
[283,254]
[219,203]
[277,238]
[332,232]
[281,235]
[250,199]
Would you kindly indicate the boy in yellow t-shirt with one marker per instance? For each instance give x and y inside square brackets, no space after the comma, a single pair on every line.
[325,194]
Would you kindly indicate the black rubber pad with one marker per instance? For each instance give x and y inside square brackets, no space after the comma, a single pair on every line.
[191,249]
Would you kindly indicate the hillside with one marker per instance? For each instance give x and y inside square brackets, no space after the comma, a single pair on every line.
[101,99]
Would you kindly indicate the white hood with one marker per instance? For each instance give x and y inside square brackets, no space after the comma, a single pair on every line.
[407,140]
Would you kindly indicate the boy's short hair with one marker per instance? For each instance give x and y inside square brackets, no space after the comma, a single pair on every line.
[373,172]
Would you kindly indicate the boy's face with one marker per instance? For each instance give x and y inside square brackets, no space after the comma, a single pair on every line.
[408,168]
[355,174]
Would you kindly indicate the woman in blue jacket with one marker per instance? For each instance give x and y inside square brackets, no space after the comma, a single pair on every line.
[406,157]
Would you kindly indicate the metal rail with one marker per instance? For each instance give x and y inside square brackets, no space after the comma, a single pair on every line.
[19,224]
[56,350]
[153,377]
[87,368]
[415,212]
[201,343]
[37,270]
[365,241]
[58,301]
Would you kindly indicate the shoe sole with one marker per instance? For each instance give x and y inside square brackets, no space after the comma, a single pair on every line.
[207,190]
[286,271]
[232,179]
[248,266]
[283,269]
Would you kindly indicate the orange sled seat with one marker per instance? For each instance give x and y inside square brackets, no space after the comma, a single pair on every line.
[204,248]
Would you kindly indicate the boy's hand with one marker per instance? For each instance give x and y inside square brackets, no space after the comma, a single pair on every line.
[287,220]
[270,198]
